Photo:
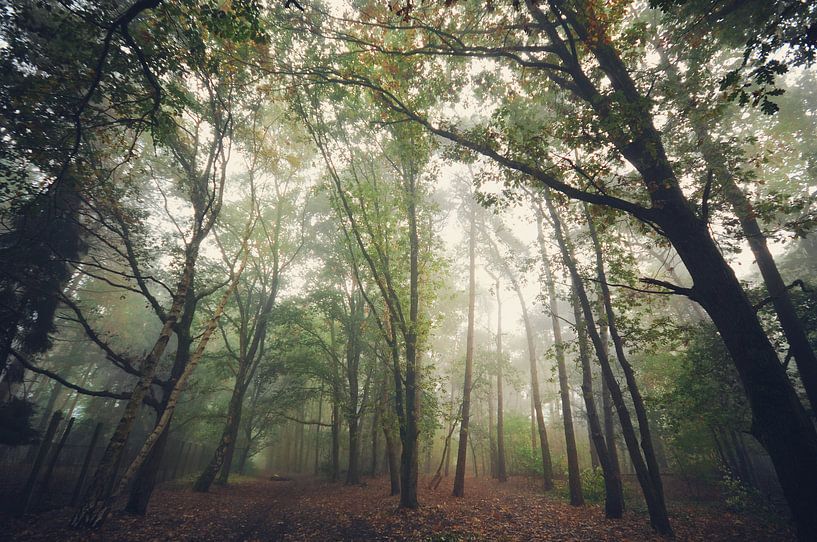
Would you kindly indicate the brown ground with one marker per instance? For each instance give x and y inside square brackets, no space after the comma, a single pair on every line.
[304,509]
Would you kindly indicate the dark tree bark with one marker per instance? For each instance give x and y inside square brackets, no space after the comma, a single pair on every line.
[145,479]
[318,433]
[594,457]
[335,451]
[604,450]
[491,436]
[647,445]
[655,505]
[607,411]
[573,473]
[462,449]
[353,325]
[392,452]
[375,441]
[408,464]
[713,153]
[225,446]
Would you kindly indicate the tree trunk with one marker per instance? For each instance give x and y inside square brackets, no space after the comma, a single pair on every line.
[474,457]
[629,375]
[609,420]
[491,437]
[145,479]
[392,457]
[446,450]
[501,471]
[226,445]
[462,449]
[573,472]
[779,421]
[96,506]
[245,455]
[658,514]
[352,473]
[391,446]
[353,351]
[336,401]
[605,454]
[408,466]
[335,452]
[547,466]
[318,432]
[375,442]
[594,456]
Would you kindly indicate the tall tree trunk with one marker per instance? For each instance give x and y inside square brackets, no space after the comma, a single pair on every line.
[301,440]
[245,455]
[462,448]
[547,465]
[446,449]
[713,154]
[799,346]
[375,441]
[226,444]
[318,433]
[353,351]
[408,468]
[655,505]
[573,473]
[96,506]
[594,455]
[491,436]
[605,450]
[501,471]
[392,452]
[336,401]
[335,452]
[145,479]
[392,455]
[607,411]
[353,473]
[532,422]
[629,375]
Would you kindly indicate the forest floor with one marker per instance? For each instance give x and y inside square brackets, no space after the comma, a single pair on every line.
[312,510]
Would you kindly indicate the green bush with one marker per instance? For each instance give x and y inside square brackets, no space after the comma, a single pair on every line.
[740,497]
[593,485]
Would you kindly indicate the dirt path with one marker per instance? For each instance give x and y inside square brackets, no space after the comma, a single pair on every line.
[304,509]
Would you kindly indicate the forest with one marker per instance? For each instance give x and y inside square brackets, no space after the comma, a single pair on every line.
[395,270]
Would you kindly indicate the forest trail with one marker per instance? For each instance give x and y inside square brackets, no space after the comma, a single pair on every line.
[312,510]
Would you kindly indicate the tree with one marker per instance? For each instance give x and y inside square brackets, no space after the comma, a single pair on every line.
[618,113]
[646,470]
[465,412]
[205,186]
[501,471]
[277,246]
[574,476]
[544,447]
[394,319]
